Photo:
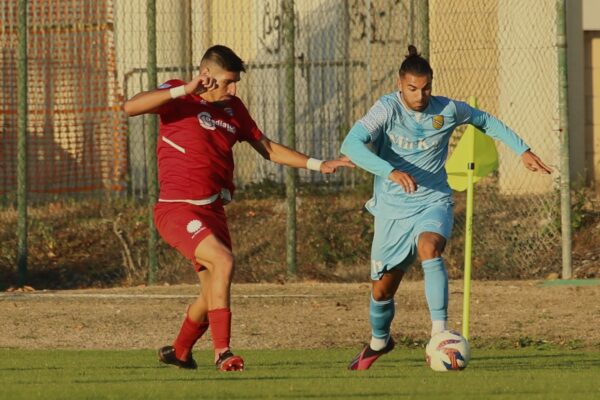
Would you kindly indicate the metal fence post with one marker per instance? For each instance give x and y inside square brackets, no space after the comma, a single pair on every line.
[152,128]
[565,171]
[290,130]
[424,26]
[22,144]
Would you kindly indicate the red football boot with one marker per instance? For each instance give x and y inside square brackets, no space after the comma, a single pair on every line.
[368,356]
[229,362]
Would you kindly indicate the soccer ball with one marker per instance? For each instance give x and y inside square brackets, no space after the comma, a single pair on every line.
[448,351]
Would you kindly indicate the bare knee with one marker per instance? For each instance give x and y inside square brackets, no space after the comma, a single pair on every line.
[216,257]
[382,293]
[220,265]
[387,286]
[428,250]
[225,266]
[430,245]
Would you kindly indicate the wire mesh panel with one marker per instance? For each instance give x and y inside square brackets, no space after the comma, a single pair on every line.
[76,137]
[347,55]
[175,59]
[504,53]
[86,57]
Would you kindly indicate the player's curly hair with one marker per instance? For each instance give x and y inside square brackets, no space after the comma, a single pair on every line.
[415,64]
[224,57]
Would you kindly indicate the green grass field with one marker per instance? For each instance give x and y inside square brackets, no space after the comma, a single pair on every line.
[293,374]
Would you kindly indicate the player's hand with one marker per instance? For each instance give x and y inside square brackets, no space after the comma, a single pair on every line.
[329,167]
[200,84]
[534,163]
[405,180]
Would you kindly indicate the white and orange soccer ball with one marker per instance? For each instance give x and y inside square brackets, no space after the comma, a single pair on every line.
[448,351]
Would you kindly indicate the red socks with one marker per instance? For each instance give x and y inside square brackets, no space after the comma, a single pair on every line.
[189,334]
[220,327]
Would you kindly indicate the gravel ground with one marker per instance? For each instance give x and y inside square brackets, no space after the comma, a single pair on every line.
[297,315]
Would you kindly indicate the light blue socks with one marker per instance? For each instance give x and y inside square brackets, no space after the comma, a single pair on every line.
[436,292]
[381,314]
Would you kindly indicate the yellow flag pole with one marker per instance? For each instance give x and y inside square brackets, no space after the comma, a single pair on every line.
[468,233]
[468,252]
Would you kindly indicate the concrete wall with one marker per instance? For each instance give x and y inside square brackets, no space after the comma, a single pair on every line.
[576,97]
[591,14]
[592,109]
[502,52]
[528,90]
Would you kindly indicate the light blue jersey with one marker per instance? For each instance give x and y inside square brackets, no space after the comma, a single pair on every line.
[415,143]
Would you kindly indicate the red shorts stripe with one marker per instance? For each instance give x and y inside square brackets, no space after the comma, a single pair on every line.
[184,226]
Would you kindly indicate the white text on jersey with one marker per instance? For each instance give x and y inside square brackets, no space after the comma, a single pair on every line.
[207,122]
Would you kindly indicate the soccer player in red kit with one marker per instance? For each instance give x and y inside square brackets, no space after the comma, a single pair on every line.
[200,121]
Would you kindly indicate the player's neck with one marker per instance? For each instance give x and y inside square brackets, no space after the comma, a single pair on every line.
[407,107]
[216,103]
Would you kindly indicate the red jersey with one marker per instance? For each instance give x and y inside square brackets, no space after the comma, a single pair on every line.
[195,145]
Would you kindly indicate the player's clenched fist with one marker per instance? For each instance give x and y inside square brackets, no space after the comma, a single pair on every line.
[403,179]
[201,84]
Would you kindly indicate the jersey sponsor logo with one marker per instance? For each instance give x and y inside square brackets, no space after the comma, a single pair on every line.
[437,121]
[194,227]
[208,122]
[407,144]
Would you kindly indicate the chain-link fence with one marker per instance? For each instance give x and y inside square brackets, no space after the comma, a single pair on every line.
[347,53]
[76,132]
[505,54]
[86,57]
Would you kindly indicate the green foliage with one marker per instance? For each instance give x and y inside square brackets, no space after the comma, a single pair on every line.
[268,188]
[525,341]
[79,243]
[578,210]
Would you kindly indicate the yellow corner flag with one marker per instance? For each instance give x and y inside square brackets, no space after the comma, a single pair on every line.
[475,156]
[473,147]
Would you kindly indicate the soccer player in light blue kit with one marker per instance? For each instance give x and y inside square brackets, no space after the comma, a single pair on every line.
[409,131]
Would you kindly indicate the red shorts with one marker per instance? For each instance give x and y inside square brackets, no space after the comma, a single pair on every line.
[184,226]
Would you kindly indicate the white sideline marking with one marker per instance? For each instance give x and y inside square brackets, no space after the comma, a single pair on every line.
[23,296]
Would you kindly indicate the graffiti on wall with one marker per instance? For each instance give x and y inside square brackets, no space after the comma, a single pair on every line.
[375,20]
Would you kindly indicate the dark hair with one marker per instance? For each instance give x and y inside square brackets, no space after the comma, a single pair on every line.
[225,58]
[415,64]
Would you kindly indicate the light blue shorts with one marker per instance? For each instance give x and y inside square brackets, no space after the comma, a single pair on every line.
[395,240]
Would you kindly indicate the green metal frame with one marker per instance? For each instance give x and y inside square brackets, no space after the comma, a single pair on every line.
[565,170]
[22,145]
[152,132]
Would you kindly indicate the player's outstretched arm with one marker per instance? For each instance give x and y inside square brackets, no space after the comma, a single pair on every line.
[150,101]
[498,130]
[283,155]
[534,163]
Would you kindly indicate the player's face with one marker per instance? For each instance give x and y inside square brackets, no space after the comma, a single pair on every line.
[226,84]
[416,90]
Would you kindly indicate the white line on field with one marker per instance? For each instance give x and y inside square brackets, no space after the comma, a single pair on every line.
[27,296]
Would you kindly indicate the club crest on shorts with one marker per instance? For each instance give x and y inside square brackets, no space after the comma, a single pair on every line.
[194,227]
[438,121]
